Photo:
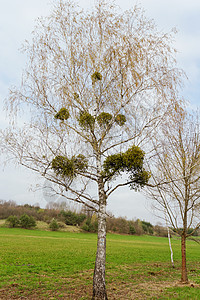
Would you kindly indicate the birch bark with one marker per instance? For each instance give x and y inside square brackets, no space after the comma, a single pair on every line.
[99,286]
[170,246]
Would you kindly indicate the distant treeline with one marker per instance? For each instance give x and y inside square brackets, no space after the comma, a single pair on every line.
[85,219]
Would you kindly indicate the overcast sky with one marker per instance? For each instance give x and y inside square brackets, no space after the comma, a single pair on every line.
[17,19]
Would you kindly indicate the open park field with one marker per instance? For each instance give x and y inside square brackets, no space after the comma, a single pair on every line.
[38,264]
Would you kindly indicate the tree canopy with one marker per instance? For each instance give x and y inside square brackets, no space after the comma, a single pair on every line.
[95,82]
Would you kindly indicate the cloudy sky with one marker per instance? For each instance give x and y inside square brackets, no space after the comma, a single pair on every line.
[17,19]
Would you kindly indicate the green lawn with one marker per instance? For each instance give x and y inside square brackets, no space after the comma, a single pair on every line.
[59,265]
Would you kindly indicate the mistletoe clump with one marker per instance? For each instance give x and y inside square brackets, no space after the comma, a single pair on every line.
[104,119]
[80,163]
[112,165]
[139,179]
[66,167]
[96,76]
[133,159]
[86,120]
[76,96]
[63,166]
[131,162]
[120,119]
[62,115]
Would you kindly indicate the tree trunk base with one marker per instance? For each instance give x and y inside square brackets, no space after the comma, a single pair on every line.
[99,296]
[184,281]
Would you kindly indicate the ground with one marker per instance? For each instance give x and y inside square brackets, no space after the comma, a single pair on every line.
[80,287]
[41,265]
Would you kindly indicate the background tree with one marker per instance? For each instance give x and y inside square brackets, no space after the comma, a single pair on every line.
[27,222]
[54,226]
[176,176]
[96,84]
[12,221]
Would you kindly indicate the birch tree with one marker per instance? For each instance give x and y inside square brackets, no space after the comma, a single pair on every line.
[95,86]
[176,176]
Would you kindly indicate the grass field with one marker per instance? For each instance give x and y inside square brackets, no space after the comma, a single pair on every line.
[59,265]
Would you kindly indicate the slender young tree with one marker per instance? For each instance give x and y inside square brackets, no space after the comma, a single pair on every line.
[176,176]
[96,85]
[169,239]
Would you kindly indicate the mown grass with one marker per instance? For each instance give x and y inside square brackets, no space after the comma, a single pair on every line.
[59,265]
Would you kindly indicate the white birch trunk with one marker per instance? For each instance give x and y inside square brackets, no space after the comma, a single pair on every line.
[99,286]
[170,246]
